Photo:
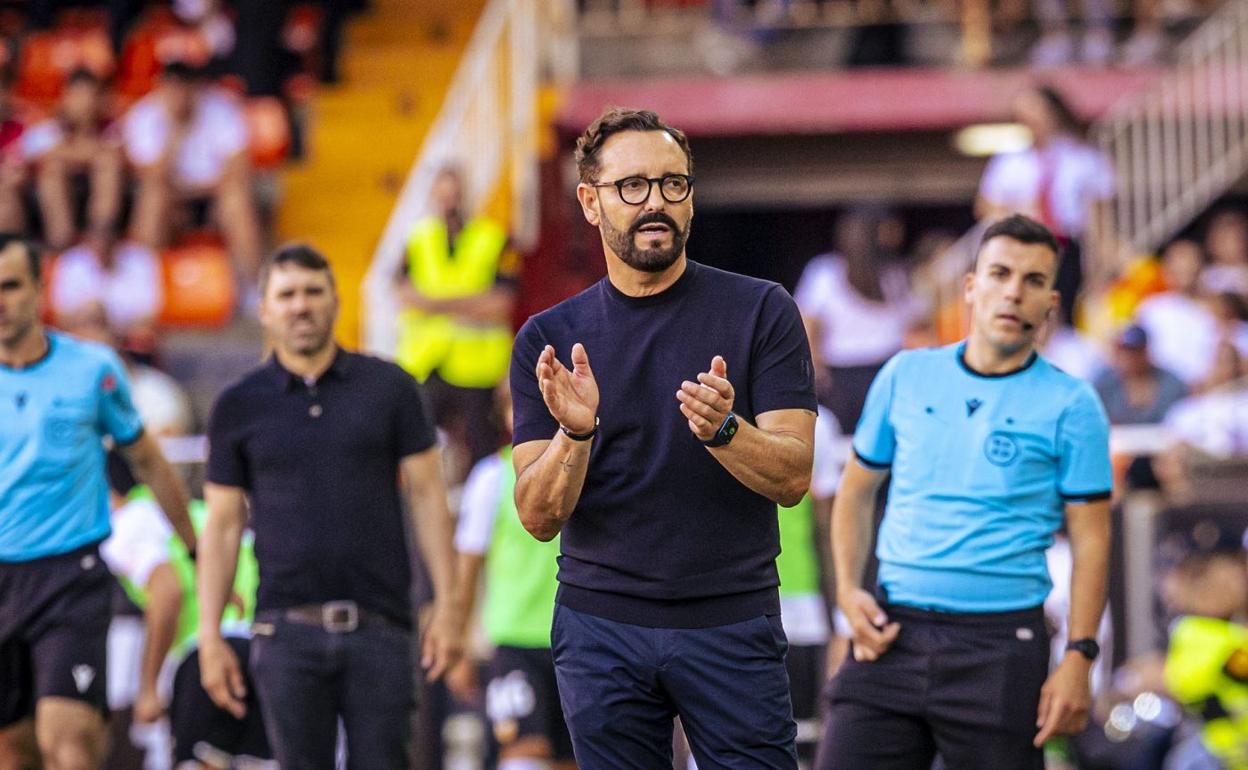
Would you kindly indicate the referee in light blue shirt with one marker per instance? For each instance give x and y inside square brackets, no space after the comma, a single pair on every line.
[990,448]
[59,398]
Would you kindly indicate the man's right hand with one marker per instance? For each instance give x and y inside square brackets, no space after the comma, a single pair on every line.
[571,395]
[222,676]
[872,632]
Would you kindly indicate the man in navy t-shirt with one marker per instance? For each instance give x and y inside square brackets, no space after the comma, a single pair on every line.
[991,449]
[661,468]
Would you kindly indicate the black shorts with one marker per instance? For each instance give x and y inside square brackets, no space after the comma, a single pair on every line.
[522,699]
[197,724]
[964,686]
[54,615]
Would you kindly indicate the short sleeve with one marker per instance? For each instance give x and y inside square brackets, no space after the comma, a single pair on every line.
[479,506]
[118,417]
[532,420]
[874,439]
[139,542]
[1084,471]
[826,475]
[415,431]
[227,458]
[783,375]
[144,133]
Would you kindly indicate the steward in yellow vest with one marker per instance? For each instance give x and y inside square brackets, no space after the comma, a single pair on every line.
[456,324]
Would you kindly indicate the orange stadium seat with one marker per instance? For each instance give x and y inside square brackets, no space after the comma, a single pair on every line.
[139,65]
[269,131]
[199,284]
[46,58]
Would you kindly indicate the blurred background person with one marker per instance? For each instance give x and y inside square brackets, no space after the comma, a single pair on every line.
[1059,181]
[518,604]
[458,288]
[857,307]
[79,168]
[1132,388]
[1180,325]
[1226,243]
[187,143]
[121,276]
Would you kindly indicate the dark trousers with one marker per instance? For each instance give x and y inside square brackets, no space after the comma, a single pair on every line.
[965,686]
[309,678]
[622,685]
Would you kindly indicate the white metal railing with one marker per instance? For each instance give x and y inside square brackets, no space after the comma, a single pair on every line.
[1180,145]
[488,128]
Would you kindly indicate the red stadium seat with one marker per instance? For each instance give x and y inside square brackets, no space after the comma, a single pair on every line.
[46,58]
[199,285]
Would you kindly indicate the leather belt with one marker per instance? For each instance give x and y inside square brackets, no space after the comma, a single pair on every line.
[339,617]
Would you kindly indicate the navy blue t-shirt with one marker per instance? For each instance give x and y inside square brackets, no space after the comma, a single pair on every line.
[663,535]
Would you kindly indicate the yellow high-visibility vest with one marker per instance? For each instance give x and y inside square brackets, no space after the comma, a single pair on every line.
[1208,658]
[464,355]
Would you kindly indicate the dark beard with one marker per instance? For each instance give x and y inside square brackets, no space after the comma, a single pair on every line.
[648,260]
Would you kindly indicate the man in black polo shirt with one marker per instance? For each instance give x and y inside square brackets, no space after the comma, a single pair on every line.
[661,468]
[317,441]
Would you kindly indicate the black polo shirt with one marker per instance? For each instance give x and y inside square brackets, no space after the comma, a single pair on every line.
[320,464]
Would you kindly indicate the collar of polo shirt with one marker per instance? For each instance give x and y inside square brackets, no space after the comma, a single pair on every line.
[286,379]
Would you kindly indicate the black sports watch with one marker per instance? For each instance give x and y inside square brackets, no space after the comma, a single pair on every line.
[1086,647]
[726,431]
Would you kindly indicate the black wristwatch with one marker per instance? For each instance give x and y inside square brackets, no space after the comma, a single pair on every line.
[1087,647]
[726,431]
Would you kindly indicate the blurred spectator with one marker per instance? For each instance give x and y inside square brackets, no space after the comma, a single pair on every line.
[1133,389]
[1059,180]
[1226,242]
[458,288]
[1182,330]
[1207,661]
[212,29]
[12,166]
[1057,45]
[120,276]
[78,162]
[1069,349]
[857,307]
[188,143]
[1206,429]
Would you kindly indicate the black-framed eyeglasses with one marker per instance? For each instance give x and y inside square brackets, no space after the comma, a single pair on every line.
[635,190]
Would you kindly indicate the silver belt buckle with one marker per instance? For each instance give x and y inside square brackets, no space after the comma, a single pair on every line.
[340,617]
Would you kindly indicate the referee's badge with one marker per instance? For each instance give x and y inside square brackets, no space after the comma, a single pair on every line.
[1000,448]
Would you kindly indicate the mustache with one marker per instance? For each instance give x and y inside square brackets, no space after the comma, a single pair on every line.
[653,218]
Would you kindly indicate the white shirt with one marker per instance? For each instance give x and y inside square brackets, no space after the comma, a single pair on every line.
[855,331]
[1216,422]
[479,506]
[1082,175]
[162,403]
[1183,334]
[217,133]
[1073,353]
[131,291]
[139,542]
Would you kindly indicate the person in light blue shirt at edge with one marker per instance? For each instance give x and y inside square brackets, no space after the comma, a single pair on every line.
[990,449]
[59,399]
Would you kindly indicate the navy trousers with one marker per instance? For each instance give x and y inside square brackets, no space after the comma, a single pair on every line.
[622,685]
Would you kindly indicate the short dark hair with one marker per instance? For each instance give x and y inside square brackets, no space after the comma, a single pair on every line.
[83,75]
[294,253]
[183,72]
[33,256]
[614,120]
[1023,229]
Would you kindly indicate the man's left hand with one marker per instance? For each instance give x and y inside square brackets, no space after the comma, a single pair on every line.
[1064,699]
[707,402]
[443,642]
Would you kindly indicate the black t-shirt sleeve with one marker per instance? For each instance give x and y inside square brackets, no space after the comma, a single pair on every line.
[783,376]
[414,430]
[227,460]
[531,418]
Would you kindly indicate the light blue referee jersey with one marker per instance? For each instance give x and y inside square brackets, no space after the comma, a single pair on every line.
[54,414]
[981,468]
